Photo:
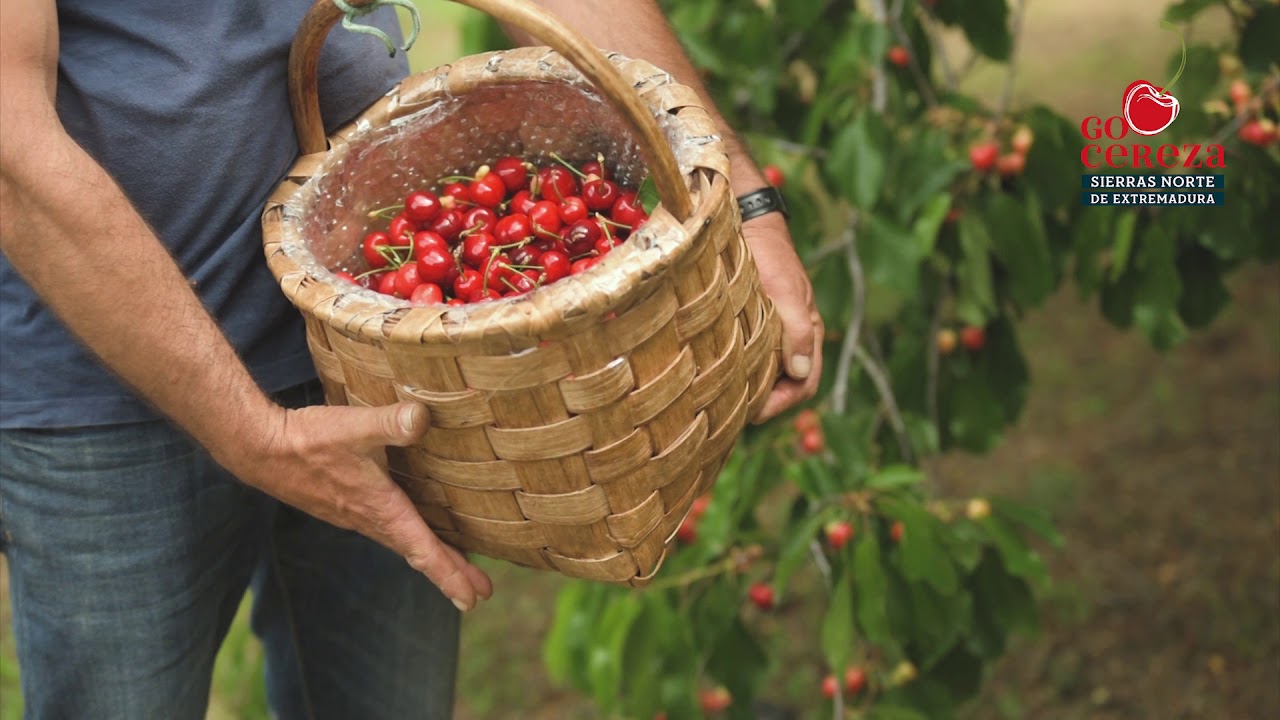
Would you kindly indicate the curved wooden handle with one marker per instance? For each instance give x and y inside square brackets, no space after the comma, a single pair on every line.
[304,97]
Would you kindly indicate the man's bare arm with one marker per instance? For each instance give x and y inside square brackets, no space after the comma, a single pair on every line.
[68,229]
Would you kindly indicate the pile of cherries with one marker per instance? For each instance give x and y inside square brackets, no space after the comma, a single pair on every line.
[506,231]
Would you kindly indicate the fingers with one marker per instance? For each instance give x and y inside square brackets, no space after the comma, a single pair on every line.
[404,531]
[798,333]
[400,425]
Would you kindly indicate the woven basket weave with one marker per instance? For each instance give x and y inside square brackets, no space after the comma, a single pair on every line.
[571,428]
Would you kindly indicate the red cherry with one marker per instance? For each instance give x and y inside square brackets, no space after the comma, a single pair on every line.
[699,507]
[449,224]
[424,240]
[480,217]
[512,229]
[715,701]
[830,687]
[593,167]
[557,183]
[522,202]
[899,56]
[496,270]
[572,209]
[811,441]
[1240,93]
[387,283]
[838,534]
[773,175]
[1011,165]
[761,596]
[599,195]
[435,265]
[401,229]
[369,249]
[555,264]
[488,191]
[896,531]
[1256,133]
[523,284]
[526,255]
[455,302]
[345,276]
[477,248]
[855,679]
[545,218]
[973,338]
[486,294]
[458,191]
[982,156]
[627,209]
[806,420]
[581,237]
[421,206]
[468,284]
[515,176]
[605,244]
[687,533]
[427,294]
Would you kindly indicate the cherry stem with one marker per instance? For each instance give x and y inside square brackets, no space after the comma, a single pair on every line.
[376,271]
[607,221]
[382,212]
[572,169]
[455,179]
[1183,66]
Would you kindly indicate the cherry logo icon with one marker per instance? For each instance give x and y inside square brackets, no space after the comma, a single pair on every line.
[1148,109]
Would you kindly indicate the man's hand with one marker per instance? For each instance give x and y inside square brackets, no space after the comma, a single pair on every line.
[329,462]
[784,280]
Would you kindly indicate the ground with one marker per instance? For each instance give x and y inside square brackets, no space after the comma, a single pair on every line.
[1162,470]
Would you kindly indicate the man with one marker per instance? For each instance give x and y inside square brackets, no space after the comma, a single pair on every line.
[159,433]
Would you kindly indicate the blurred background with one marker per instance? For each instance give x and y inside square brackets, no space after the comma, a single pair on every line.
[1162,470]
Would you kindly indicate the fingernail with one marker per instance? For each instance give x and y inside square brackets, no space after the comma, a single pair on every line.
[462,607]
[409,417]
[801,365]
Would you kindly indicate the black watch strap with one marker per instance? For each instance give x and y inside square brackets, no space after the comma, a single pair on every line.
[762,202]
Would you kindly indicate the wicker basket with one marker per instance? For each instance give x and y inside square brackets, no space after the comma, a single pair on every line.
[571,428]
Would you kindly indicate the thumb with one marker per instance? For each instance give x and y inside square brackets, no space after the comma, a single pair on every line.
[797,338]
[401,424]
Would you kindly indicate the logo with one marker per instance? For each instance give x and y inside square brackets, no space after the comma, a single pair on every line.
[1161,172]
[1148,109]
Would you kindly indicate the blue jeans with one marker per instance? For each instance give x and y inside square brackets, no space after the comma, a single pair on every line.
[129,551]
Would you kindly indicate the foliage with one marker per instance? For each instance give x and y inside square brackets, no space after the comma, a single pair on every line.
[905,241]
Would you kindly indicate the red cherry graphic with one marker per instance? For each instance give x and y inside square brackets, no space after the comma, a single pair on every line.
[1148,109]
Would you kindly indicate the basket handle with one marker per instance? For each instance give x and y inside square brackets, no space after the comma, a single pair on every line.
[304,97]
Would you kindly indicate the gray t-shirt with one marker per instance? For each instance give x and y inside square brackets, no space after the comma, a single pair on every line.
[185,105]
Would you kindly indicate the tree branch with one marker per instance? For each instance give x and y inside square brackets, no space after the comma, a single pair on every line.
[922,81]
[849,344]
[881,382]
[1006,97]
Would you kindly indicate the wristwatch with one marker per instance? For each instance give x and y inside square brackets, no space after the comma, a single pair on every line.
[762,202]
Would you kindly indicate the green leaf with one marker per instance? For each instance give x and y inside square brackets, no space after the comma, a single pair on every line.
[738,662]
[1003,600]
[1258,47]
[837,625]
[1022,249]
[975,294]
[1090,236]
[648,194]
[1204,294]
[564,650]
[890,256]
[1005,369]
[929,222]
[973,412]
[1155,309]
[1033,519]
[857,163]
[795,547]
[1185,10]
[894,712]
[986,25]
[872,590]
[924,557]
[604,667]
[654,638]
[1020,559]
[1121,244]
[895,476]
